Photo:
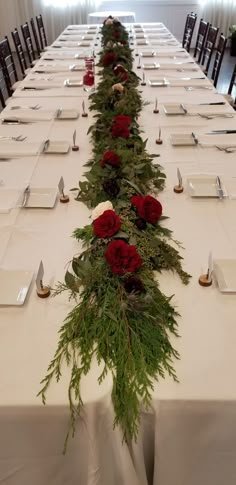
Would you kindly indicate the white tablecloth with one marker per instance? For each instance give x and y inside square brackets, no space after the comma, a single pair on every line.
[189,435]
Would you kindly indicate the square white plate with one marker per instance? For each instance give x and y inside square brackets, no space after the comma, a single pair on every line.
[140,35]
[84,44]
[42,197]
[224,271]
[158,82]
[73,83]
[68,114]
[203,186]
[142,42]
[174,109]
[14,286]
[147,54]
[179,139]
[58,147]
[151,65]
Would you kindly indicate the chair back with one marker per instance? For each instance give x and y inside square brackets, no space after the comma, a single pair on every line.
[232,83]
[28,42]
[220,50]
[201,38]
[19,51]
[209,47]
[7,65]
[42,33]
[2,100]
[4,91]
[188,30]
[36,39]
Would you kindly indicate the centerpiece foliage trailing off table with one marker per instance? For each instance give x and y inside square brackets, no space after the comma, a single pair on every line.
[120,314]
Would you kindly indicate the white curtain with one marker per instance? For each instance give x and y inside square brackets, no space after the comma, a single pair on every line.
[220,13]
[16,12]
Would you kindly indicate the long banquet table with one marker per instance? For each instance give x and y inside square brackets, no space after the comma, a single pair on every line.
[189,435]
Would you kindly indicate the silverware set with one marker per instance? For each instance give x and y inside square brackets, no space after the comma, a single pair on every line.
[35,107]
[230,149]
[14,138]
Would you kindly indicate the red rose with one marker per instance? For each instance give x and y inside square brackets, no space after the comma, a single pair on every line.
[149,208]
[109,59]
[115,34]
[107,224]
[122,258]
[125,120]
[120,71]
[88,78]
[120,130]
[111,158]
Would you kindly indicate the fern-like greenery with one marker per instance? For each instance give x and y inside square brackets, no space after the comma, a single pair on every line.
[128,332]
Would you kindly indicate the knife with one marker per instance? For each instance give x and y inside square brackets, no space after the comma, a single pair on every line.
[26,195]
[211,104]
[14,121]
[219,189]
[221,132]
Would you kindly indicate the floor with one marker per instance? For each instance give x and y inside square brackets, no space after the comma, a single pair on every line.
[225,72]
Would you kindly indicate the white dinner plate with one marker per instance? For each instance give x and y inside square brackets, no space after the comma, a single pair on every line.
[42,197]
[68,114]
[58,147]
[142,42]
[73,83]
[14,286]
[158,82]
[179,139]
[203,186]
[224,271]
[147,54]
[174,109]
[151,65]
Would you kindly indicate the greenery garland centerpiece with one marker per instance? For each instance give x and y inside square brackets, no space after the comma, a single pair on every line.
[120,314]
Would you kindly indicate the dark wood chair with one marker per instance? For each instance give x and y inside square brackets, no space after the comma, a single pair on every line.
[7,65]
[36,39]
[19,51]
[220,50]
[2,100]
[28,43]
[209,47]
[201,38]
[188,30]
[232,99]
[42,33]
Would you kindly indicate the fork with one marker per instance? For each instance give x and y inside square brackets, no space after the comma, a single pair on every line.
[36,106]
[226,149]
[15,138]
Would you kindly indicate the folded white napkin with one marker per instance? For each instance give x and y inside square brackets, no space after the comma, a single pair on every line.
[28,115]
[19,149]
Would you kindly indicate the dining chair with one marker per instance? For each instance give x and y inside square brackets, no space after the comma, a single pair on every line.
[220,50]
[201,38]
[19,51]
[8,65]
[41,31]
[36,39]
[188,30]
[2,100]
[209,47]
[28,43]
[231,99]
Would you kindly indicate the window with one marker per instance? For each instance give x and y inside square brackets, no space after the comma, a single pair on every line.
[60,3]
